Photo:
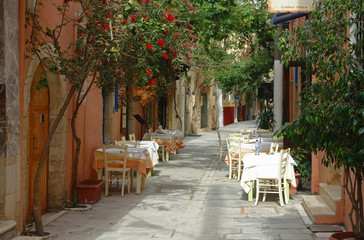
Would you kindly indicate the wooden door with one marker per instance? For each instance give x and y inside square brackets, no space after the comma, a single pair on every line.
[38,116]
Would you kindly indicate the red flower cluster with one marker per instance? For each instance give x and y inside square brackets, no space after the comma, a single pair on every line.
[165,55]
[149,73]
[67,1]
[106,26]
[151,82]
[171,18]
[79,20]
[149,47]
[161,42]
[133,19]
[108,16]
[146,1]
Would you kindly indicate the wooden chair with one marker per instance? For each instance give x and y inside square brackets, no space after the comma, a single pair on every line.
[132,137]
[160,128]
[274,147]
[161,149]
[244,137]
[123,138]
[117,173]
[235,155]
[275,185]
[222,144]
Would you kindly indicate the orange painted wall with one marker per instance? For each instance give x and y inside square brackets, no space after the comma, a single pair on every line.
[89,121]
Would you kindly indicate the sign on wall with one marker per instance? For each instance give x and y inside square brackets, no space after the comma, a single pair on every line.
[290,6]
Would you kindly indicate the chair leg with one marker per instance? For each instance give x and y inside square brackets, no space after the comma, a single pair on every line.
[220,153]
[257,193]
[123,185]
[280,193]
[265,191]
[106,184]
[286,193]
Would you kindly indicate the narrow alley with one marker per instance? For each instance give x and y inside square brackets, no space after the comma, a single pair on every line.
[188,197]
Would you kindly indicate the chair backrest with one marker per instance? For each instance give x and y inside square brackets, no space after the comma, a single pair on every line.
[247,131]
[120,160]
[274,147]
[123,138]
[160,128]
[234,146]
[283,161]
[132,137]
[244,137]
[126,143]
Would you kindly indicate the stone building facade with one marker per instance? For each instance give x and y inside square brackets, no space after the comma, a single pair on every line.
[9,118]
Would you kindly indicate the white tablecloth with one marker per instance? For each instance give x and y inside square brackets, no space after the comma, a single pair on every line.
[167,136]
[146,147]
[152,148]
[176,133]
[264,166]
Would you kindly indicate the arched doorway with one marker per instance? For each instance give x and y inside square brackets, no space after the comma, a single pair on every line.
[38,127]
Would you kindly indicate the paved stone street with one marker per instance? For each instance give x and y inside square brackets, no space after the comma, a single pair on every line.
[189,197]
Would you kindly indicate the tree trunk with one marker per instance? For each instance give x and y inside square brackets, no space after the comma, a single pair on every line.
[76,156]
[36,201]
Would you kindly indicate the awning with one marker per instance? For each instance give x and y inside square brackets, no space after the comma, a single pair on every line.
[282,17]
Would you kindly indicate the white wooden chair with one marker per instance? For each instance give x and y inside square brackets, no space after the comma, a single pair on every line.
[275,185]
[123,138]
[222,144]
[119,173]
[132,137]
[161,149]
[235,155]
[274,147]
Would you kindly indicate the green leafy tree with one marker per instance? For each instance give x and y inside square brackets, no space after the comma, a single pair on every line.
[332,107]
[236,43]
[120,43]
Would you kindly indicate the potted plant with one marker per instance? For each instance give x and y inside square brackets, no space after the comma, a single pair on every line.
[265,119]
[332,106]
[302,170]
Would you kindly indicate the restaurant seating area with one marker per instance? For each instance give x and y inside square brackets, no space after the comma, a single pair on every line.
[119,162]
[256,159]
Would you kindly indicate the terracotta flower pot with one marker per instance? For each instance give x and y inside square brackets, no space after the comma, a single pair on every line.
[89,191]
[342,235]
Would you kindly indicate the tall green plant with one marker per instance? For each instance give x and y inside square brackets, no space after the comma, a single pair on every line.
[332,107]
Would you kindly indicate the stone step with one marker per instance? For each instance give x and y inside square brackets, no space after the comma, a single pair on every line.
[317,209]
[331,194]
[7,229]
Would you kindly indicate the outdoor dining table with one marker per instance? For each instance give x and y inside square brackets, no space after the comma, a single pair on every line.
[142,158]
[171,139]
[264,166]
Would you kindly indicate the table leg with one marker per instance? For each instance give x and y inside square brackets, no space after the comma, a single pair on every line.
[167,155]
[138,186]
[143,183]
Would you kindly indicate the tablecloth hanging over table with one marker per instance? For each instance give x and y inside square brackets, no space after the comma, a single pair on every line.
[264,166]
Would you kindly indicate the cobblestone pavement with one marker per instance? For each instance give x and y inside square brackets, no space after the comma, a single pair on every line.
[189,197]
